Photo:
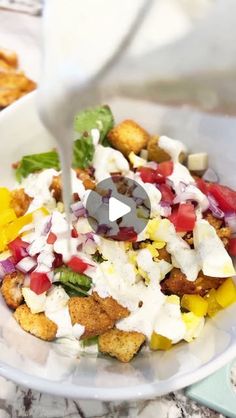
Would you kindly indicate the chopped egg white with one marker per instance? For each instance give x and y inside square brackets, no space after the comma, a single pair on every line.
[36,303]
[107,160]
[173,147]
[56,299]
[194,325]
[215,260]
[136,161]
[169,322]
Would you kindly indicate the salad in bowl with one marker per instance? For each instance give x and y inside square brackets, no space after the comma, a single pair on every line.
[133,290]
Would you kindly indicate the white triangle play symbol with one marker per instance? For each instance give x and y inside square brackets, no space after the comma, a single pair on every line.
[117,209]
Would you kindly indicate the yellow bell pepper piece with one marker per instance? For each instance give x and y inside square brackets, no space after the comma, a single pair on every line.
[213,306]
[159,342]
[7,216]
[13,229]
[5,198]
[195,304]
[226,293]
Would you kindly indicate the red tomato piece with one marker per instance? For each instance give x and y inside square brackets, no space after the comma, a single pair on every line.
[51,238]
[18,248]
[165,169]
[126,234]
[39,282]
[184,217]
[202,185]
[232,247]
[225,197]
[147,174]
[74,233]
[77,265]
[167,193]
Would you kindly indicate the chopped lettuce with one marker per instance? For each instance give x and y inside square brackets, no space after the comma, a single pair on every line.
[89,341]
[83,150]
[99,117]
[73,282]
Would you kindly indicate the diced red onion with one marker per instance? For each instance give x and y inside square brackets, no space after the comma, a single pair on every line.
[103,229]
[230,220]
[165,211]
[213,206]
[78,209]
[47,226]
[151,164]
[6,267]
[211,176]
[165,204]
[26,265]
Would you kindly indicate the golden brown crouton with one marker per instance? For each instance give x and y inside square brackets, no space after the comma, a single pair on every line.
[113,309]
[9,57]
[13,85]
[156,153]
[87,312]
[164,255]
[178,284]
[37,324]
[20,201]
[223,232]
[120,344]
[56,188]
[128,136]
[11,289]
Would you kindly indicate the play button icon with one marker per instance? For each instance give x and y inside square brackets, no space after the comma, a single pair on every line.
[118,208]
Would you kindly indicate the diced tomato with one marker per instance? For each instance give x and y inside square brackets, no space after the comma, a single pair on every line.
[165,169]
[167,193]
[74,233]
[184,217]
[39,282]
[232,247]
[225,197]
[147,174]
[58,261]
[77,265]
[202,185]
[126,234]
[18,248]
[51,238]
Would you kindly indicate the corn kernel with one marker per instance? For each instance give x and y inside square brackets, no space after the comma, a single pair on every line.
[226,293]
[5,198]
[195,304]
[159,342]
[213,306]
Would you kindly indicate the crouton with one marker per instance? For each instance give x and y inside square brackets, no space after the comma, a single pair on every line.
[13,85]
[120,344]
[164,255]
[36,324]
[11,289]
[223,232]
[9,57]
[113,309]
[20,201]
[87,312]
[84,175]
[156,153]
[128,136]
[178,284]
[56,188]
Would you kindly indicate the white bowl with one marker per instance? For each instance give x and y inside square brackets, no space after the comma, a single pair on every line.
[39,365]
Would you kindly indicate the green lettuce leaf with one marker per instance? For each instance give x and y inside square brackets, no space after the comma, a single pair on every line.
[99,117]
[36,162]
[83,152]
